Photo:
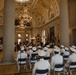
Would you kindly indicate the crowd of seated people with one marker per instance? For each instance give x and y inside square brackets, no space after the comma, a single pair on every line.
[43,58]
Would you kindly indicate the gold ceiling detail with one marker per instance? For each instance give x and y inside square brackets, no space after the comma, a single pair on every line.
[40,10]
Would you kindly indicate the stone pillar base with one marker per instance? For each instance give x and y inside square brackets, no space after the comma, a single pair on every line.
[8,61]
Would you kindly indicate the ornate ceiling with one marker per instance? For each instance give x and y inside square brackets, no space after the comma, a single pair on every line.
[41,10]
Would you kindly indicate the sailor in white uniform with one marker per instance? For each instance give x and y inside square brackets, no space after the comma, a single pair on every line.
[39,48]
[72,57]
[29,52]
[62,51]
[47,53]
[66,53]
[21,55]
[22,48]
[56,59]
[41,64]
[74,46]
[48,46]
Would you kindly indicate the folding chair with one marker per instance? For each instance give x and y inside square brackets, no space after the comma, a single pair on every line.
[72,67]
[59,68]
[47,58]
[33,59]
[42,72]
[65,57]
[22,61]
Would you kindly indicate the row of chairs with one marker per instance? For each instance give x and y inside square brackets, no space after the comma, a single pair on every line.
[72,67]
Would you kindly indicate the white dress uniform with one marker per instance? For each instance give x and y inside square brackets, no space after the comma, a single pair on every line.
[21,54]
[41,64]
[56,59]
[29,52]
[34,52]
[62,49]
[55,47]
[66,52]
[72,57]
[48,46]
[39,48]
[74,46]
[47,53]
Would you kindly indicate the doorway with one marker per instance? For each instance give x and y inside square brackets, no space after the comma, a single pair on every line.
[52,35]
[74,36]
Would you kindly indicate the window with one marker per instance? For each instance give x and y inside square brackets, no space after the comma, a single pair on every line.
[19,35]
[19,40]
[26,35]
[26,39]
[43,36]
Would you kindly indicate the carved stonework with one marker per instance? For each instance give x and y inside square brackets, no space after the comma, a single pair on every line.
[40,10]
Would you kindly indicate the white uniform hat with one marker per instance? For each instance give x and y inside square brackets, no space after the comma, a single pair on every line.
[55,46]
[74,46]
[45,48]
[30,46]
[48,46]
[62,46]
[34,48]
[41,53]
[39,46]
[22,48]
[72,49]
[57,50]
[66,48]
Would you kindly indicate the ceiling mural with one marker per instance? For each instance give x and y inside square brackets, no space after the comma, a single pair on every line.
[41,11]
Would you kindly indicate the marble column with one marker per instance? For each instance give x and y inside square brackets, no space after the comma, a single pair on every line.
[64,23]
[8,30]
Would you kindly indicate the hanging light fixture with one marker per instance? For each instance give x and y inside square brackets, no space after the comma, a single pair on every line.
[25,16]
[21,26]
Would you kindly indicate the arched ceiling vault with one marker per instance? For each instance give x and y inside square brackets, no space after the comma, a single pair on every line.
[40,10]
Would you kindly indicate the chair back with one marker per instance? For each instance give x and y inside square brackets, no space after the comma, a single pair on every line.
[46,58]
[22,60]
[42,71]
[34,56]
[59,67]
[65,57]
[72,65]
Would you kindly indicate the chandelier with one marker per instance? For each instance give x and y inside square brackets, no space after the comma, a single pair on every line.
[24,17]
[21,26]
[22,1]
